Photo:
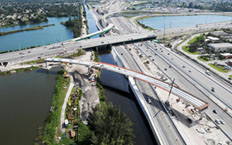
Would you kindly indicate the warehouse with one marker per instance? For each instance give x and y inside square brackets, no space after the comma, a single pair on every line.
[220,47]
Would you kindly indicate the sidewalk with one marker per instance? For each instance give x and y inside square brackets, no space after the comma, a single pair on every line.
[62,118]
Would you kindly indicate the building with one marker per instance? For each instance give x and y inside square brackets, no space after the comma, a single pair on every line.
[220,47]
[213,39]
[227,55]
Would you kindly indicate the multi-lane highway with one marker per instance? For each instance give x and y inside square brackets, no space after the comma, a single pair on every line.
[188,75]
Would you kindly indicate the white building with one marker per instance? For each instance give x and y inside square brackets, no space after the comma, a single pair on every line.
[220,47]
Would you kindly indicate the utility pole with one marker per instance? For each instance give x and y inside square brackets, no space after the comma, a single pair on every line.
[170,89]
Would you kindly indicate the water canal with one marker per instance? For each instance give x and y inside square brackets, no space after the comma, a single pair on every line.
[181,21]
[125,101]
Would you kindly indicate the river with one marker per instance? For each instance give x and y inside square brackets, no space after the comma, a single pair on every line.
[47,35]
[180,21]
[125,101]
[25,99]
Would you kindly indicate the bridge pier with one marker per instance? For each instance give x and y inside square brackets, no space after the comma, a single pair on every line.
[46,64]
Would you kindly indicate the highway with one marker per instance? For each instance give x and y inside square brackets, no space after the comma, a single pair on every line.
[187,75]
[161,118]
[70,47]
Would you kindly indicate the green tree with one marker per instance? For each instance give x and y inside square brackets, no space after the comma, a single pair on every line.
[110,127]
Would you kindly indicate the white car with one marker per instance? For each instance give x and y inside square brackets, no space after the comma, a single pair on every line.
[217,121]
[222,122]
[149,100]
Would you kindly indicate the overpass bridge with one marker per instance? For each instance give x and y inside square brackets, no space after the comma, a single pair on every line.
[71,46]
[115,40]
[196,102]
[108,28]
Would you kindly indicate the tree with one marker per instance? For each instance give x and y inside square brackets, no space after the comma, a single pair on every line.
[109,127]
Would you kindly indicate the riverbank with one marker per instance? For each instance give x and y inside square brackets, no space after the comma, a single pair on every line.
[27,29]
[53,120]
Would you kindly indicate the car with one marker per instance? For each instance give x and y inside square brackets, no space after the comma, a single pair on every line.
[183,66]
[212,89]
[214,111]
[165,69]
[170,66]
[222,122]
[229,78]
[168,53]
[217,121]
[190,71]
[149,100]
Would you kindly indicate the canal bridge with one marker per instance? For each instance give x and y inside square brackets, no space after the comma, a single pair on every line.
[193,100]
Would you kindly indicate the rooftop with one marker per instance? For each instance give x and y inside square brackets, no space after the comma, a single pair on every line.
[220,45]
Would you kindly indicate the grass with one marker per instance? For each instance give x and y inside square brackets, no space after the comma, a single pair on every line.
[193,40]
[96,57]
[186,49]
[204,58]
[230,76]
[218,68]
[35,61]
[79,53]
[54,117]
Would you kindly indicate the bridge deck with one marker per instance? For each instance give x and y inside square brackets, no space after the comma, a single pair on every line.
[196,102]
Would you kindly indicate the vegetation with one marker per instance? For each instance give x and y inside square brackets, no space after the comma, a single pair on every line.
[186,49]
[27,29]
[30,12]
[109,126]
[196,43]
[218,68]
[79,53]
[204,58]
[75,23]
[145,26]
[102,96]
[54,117]
[35,61]
[96,57]
[230,76]
[18,70]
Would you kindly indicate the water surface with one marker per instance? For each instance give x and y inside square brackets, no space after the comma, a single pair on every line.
[47,35]
[25,99]
[181,21]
